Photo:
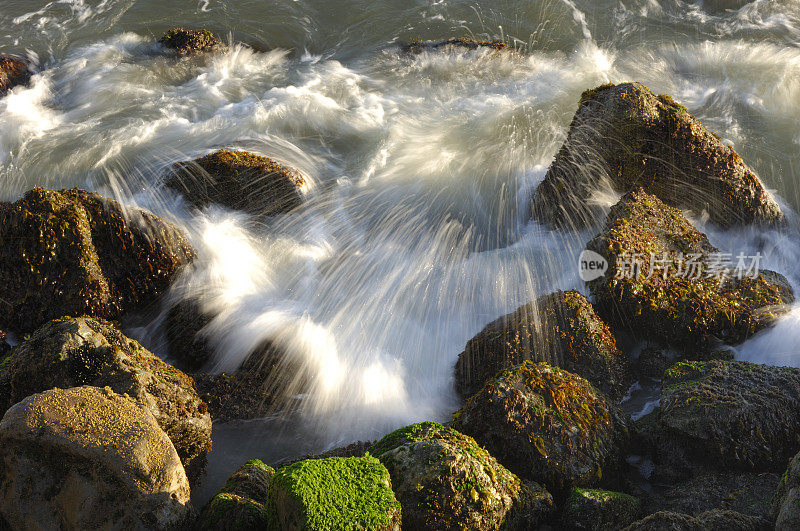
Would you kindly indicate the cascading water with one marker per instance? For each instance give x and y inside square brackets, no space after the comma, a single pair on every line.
[415,230]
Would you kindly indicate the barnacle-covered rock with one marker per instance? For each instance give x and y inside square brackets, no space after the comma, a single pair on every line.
[87,458]
[238,180]
[239,506]
[445,480]
[548,425]
[663,282]
[13,71]
[599,510]
[73,252]
[561,329]
[191,42]
[70,352]
[627,135]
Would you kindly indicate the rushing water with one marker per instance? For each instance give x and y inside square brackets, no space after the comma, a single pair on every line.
[414,232]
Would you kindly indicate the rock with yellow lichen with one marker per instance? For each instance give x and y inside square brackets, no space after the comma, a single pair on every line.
[238,180]
[184,41]
[73,252]
[627,136]
[69,352]
[88,458]
[547,425]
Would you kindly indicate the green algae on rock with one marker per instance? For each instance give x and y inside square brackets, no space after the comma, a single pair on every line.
[445,480]
[561,329]
[240,505]
[73,252]
[191,42]
[238,180]
[626,134]
[70,352]
[88,458]
[349,493]
[678,309]
[599,510]
[547,425]
[13,71]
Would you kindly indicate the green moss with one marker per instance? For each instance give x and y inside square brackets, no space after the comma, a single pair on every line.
[235,513]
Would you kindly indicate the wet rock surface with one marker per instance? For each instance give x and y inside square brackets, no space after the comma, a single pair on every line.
[191,42]
[786,502]
[240,503]
[707,521]
[13,71]
[599,510]
[417,46]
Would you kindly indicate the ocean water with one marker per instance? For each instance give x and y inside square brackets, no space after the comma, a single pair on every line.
[414,232]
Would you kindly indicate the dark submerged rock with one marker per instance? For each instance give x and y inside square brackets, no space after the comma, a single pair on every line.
[445,480]
[418,46]
[240,505]
[182,329]
[689,313]
[561,329]
[599,510]
[786,502]
[73,252]
[707,521]
[628,135]
[238,180]
[191,42]
[13,71]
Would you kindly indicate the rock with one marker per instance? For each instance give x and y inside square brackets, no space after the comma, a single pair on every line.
[599,510]
[72,352]
[182,329]
[444,480]
[4,349]
[708,521]
[73,252]
[191,42]
[417,46]
[561,329]
[240,504]
[334,493]
[671,305]
[87,458]
[13,71]
[238,180]
[627,135]
[652,363]
[786,502]
[547,425]
[724,415]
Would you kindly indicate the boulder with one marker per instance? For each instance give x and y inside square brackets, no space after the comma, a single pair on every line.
[675,293]
[561,329]
[707,521]
[13,71]
[547,425]
[239,506]
[445,480]
[182,329]
[87,458]
[463,43]
[627,136]
[786,502]
[237,180]
[334,493]
[191,42]
[70,352]
[72,252]
[599,510]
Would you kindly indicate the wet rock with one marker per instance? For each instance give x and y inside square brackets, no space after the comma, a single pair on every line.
[627,135]
[652,363]
[561,329]
[182,328]
[191,42]
[692,308]
[334,493]
[13,71]
[786,502]
[708,521]
[238,180]
[71,352]
[417,46]
[445,480]
[599,510]
[87,458]
[4,348]
[547,425]
[72,252]
[240,504]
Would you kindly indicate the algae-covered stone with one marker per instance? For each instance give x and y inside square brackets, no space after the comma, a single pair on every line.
[417,46]
[445,480]
[240,505]
[238,180]
[70,352]
[13,71]
[183,325]
[716,520]
[627,135]
[599,510]
[674,293]
[87,458]
[73,252]
[191,42]
[786,502]
[561,329]
[334,493]
[548,425]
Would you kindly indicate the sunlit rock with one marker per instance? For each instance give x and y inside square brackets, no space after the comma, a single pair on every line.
[13,71]
[191,42]
[240,504]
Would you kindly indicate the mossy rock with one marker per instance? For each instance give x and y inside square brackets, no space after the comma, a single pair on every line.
[599,510]
[463,43]
[547,425]
[716,520]
[240,505]
[785,508]
[671,305]
[561,329]
[445,480]
[13,71]
[70,352]
[191,42]
[626,134]
[72,252]
[238,180]
[348,493]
